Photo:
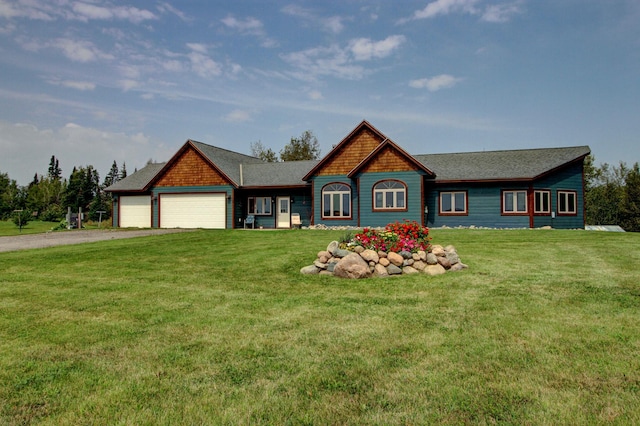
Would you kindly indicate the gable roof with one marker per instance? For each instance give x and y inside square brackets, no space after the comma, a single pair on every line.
[524,164]
[227,162]
[138,181]
[364,124]
[287,173]
[388,143]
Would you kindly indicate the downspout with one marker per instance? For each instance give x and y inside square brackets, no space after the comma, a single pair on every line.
[241,177]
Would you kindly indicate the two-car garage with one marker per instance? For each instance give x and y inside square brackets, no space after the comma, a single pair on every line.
[193,210]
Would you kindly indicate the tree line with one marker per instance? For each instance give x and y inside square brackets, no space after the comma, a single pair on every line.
[48,197]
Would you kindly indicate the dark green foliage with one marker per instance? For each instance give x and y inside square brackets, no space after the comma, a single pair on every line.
[306,147]
[265,154]
[630,210]
[21,218]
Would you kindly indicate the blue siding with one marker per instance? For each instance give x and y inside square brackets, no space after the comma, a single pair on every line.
[228,189]
[568,179]
[318,183]
[371,218]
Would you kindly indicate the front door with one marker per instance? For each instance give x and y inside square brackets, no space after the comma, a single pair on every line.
[283,216]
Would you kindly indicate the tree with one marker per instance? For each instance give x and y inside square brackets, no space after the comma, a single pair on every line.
[21,218]
[306,147]
[10,196]
[630,210]
[113,176]
[123,171]
[604,191]
[82,188]
[265,154]
[54,169]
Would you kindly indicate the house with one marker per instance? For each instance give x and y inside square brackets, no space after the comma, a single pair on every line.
[366,180]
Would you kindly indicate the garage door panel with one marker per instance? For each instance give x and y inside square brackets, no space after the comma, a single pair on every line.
[193,211]
[135,211]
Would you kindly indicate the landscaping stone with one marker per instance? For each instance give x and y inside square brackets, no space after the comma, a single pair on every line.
[364,263]
[352,266]
[395,259]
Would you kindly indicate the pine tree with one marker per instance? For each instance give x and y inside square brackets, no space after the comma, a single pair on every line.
[123,172]
[113,176]
[54,169]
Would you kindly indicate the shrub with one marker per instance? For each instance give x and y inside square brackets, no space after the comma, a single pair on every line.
[21,218]
[396,237]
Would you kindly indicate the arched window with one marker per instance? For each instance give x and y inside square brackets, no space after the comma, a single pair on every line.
[390,195]
[336,201]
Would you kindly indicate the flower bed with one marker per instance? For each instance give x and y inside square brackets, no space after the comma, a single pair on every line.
[399,248]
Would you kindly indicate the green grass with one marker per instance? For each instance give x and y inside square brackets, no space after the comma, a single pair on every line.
[8,228]
[218,327]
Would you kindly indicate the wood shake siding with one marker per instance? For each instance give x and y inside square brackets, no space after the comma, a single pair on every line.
[191,169]
[351,154]
[388,160]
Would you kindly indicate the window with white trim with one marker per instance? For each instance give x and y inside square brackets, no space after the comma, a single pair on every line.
[542,202]
[514,202]
[567,202]
[260,206]
[454,202]
[389,195]
[336,201]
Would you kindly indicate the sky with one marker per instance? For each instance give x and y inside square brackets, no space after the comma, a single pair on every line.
[97,81]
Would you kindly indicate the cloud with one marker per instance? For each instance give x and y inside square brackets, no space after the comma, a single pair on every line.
[433,84]
[501,12]
[201,64]
[167,8]
[332,24]
[248,26]
[85,12]
[237,116]
[72,84]
[341,62]
[364,49]
[27,149]
[315,95]
[79,50]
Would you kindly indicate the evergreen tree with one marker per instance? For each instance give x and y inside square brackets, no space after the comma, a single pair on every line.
[265,154]
[54,169]
[123,172]
[113,176]
[306,147]
[630,210]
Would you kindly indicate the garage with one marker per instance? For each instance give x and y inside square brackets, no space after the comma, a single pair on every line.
[135,211]
[205,210]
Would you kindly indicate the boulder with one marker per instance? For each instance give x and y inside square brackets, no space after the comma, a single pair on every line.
[324,256]
[434,270]
[333,246]
[320,265]
[380,271]
[406,254]
[432,259]
[438,250]
[382,254]
[395,258]
[370,256]
[394,270]
[453,257]
[309,270]
[444,262]
[409,270]
[458,266]
[352,266]
[340,253]
[384,261]
[419,265]
[358,249]
[422,255]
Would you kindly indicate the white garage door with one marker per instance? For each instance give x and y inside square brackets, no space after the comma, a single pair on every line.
[135,211]
[193,211]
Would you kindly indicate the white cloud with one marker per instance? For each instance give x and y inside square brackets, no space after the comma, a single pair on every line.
[317,61]
[128,84]
[248,26]
[198,47]
[237,116]
[167,8]
[78,85]
[79,50]
[501,12]
[433,84]
[27,149]
[203,65]
[364,49]
[132,14]
[334,24]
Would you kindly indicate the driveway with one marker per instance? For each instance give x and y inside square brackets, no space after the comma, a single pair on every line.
[51,239]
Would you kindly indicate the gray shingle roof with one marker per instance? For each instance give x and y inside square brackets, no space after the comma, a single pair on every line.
[137,181]
[522,164]
[227,161]
[286,173]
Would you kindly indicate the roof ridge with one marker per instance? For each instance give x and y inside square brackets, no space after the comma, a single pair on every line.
[226,150]
[505,150]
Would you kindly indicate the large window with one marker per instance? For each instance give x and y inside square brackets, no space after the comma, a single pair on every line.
[336,201]
[259,206]
[542,201]
[453,203]
[567,202]
[389,195]
[514,202]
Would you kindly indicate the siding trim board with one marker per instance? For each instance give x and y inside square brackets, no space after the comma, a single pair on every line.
[363,159]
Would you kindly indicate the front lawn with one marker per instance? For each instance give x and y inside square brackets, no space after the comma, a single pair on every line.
[218,327]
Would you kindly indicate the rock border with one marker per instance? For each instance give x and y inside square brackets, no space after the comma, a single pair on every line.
[365,263]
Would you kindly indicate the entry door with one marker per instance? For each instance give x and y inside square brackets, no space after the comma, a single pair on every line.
[283,217]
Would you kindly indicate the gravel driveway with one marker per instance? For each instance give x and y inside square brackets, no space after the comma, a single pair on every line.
[50,239]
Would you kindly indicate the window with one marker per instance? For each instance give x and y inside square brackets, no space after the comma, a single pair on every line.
[514,202]
[542,202]
[453,203]
[389,195]
[259,206]
[336,201]
[567,202]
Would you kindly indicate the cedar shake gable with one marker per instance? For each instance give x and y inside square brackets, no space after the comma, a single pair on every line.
[389,157]
[350,152]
